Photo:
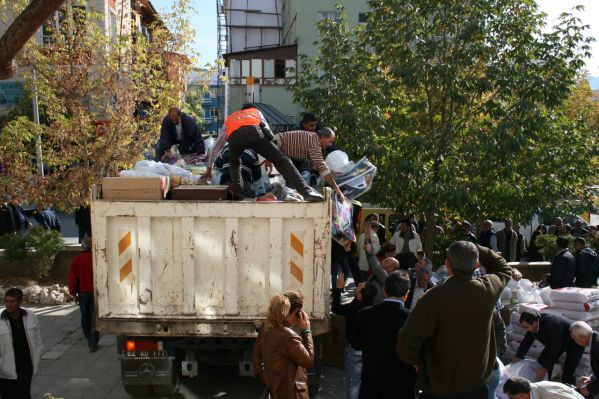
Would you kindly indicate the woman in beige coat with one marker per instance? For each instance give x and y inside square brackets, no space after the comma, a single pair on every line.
[281,356]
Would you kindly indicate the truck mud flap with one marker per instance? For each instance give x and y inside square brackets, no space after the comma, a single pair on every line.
[137,372]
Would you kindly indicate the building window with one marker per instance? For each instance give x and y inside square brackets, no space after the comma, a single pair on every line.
[331,15]
[235,69]
[245,68]
[214,112]
[257,68]
[363,17]
[279,68]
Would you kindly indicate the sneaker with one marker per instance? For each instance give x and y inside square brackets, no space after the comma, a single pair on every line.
[312,195]
[94,348]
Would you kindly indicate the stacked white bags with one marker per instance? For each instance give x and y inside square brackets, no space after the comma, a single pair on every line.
[575,304]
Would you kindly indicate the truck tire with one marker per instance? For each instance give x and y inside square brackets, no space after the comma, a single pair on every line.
[138,390]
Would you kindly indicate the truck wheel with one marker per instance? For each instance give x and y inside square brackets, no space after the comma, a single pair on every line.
[138,390]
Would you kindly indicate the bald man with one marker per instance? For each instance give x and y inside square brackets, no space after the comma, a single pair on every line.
[181,129]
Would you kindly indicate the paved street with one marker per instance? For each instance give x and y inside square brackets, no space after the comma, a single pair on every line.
[69,371]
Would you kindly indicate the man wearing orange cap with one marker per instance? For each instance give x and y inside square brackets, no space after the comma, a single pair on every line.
[247,128]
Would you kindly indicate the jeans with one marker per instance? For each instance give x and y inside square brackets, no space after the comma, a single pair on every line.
[86,307]
[252,137]
[353,372]
[494,382]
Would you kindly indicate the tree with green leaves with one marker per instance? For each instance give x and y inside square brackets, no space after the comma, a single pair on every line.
[103,97]
[460,104]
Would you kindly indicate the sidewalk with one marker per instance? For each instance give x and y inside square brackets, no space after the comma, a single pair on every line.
[68,369]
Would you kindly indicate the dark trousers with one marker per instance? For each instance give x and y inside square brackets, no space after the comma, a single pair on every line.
[480,393]
[573,355]
[17,389]
[86,307]
[252,137]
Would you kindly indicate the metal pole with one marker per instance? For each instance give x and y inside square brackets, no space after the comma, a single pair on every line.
[36,119]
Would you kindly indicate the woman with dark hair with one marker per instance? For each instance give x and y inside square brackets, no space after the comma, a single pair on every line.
[534,253]
[281,356]
[542,228]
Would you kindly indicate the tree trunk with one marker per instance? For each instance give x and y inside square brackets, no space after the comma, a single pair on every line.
[21,30]
[430,234]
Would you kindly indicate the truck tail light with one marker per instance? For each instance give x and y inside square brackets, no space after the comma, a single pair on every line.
[132,346]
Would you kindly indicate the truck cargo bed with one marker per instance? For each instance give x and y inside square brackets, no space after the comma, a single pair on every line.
[205,269]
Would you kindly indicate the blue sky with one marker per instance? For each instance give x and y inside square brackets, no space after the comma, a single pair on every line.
[204,22]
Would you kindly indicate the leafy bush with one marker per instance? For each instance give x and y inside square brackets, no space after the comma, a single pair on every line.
[38,249]
[547,247]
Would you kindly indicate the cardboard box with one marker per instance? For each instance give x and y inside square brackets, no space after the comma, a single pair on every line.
[200,193]
[135,188]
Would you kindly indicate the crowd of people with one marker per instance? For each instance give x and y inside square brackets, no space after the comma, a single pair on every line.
[412,335]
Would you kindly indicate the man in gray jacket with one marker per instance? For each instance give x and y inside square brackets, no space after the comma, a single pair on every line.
[20,347]
[380,272]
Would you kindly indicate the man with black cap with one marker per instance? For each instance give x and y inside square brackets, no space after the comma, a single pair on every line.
[20,347]
[587,265]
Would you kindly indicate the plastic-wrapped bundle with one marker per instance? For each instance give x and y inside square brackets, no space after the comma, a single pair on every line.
[343,229]
[592,306]
[357,179]
[573,294]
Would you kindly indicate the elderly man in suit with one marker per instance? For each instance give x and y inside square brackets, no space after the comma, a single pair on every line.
[584,336]
[507,241]
[384,374]
[449,336]
[553,331]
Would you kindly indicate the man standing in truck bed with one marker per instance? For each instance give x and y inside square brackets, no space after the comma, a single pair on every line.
[247,128]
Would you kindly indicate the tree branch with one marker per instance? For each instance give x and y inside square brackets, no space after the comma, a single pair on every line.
[21,30]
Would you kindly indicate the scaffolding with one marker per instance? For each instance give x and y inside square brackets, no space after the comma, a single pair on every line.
[221,21]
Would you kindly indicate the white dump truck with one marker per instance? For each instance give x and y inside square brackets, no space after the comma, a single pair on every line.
[182,282]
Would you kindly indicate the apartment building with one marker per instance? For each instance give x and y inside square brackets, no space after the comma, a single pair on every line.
[116,17]
[261,40]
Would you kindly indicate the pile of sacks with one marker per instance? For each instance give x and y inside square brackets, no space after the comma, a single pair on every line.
[575,304]
[52,295]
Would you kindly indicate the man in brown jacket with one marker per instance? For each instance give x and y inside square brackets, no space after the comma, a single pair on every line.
[449,336]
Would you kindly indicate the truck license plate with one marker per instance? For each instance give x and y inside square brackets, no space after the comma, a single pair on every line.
[140,355]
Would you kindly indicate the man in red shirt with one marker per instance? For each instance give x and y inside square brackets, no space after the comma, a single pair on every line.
[81,285]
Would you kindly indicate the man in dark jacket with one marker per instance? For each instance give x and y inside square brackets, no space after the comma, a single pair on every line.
[587,265]
[449,336]
[180,128]
[365,293]
[584,336]
[553,331]
[8,220]
[384,374]
[563,266]
[488,237]
[47,218]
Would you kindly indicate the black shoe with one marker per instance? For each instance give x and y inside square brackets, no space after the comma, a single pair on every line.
[313,196]
[94,348]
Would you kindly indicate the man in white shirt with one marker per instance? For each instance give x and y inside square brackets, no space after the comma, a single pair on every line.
[521,388]
[407,244]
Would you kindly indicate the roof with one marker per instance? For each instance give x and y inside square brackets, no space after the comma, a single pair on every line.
[275,118]
[280,52]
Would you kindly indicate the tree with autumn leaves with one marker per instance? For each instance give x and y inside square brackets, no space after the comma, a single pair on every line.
[102,98]
[466,107]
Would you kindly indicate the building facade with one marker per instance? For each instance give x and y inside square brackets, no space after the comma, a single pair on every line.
[263,41]
[116,17]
